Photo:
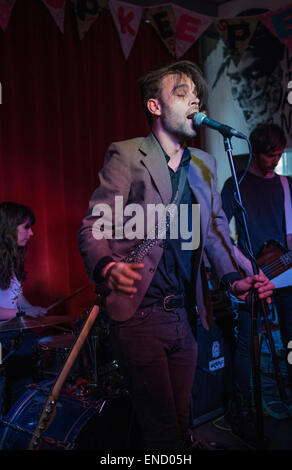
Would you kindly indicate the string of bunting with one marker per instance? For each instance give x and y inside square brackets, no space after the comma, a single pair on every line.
[177,27]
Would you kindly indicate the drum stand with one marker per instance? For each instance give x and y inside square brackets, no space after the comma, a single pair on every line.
[256,307]
[50,407]
[17,342]
[95,342]
[3,397]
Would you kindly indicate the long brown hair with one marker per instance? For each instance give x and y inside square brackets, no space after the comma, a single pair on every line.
[12,256]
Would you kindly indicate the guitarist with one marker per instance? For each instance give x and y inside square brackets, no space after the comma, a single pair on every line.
[263,199]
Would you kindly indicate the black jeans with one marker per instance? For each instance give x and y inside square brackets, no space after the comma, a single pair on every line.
[157,353]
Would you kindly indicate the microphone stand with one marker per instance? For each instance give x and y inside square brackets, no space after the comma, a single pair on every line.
[256,307]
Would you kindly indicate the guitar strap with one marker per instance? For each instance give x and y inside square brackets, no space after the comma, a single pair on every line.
[288,210]
[160,229]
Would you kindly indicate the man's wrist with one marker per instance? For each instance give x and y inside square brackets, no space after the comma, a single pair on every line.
[229,279]
[107,269]
[232,287]
[97,272]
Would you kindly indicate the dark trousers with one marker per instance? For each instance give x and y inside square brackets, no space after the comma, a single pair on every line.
[242,359]
[157,353]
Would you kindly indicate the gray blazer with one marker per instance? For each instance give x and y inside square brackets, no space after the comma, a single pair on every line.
[137,170]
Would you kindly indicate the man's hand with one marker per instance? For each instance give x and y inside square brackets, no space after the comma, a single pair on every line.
[121,276]
[258,281]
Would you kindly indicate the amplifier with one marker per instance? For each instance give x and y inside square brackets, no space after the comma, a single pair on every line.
[212,387]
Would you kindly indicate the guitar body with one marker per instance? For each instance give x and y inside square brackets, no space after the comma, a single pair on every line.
[276,263]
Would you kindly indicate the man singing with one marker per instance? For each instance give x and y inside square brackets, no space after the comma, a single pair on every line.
[157,287]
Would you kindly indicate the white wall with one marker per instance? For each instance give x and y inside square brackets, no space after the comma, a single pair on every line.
[221,105]
[222,108]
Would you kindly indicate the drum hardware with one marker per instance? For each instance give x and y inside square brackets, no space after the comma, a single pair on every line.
[79,424]
[51,353]
[106,378]
[20,429]
[15,344]
[94,368]
[94,382]
[24,322]
[61,328]
[49,411]
[96,351]
[27,323]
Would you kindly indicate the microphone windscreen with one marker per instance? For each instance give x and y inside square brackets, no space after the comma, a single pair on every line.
[199,118]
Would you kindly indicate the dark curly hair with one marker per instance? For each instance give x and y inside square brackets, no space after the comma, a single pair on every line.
[12,256]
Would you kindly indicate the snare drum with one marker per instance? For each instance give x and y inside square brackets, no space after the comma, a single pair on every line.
[81,424]
[51,355]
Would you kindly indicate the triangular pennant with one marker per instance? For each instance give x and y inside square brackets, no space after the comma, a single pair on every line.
[236,34]
[5,12]
[86,12]
[57,10]
[189,27]
[279,22]
[163,21]
[127,18]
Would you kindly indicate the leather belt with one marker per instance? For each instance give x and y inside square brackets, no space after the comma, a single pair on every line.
[171,302]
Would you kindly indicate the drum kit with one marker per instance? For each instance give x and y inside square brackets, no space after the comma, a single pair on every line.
[92,407]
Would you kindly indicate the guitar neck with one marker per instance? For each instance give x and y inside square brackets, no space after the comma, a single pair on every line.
[286,259]
[277,266]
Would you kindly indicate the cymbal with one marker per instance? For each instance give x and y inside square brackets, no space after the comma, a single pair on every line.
[25,322]
[58,341]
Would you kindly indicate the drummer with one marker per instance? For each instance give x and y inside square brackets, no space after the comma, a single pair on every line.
[16,221]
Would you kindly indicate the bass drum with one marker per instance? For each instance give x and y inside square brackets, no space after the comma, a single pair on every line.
[101,424]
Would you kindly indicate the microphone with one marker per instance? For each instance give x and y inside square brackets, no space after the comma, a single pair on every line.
[200,119]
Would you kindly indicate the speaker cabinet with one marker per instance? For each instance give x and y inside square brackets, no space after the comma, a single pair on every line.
[212,387]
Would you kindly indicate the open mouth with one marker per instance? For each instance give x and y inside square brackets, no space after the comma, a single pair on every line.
[192,112]
[191,115]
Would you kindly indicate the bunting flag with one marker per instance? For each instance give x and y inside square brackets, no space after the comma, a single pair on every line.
[5,12]
[279,22]
[127,18]
[177,27]
[163,21]
[189,27]
[57,10]
[86,12]
[236,34]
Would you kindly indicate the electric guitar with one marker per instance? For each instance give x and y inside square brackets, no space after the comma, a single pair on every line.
[276,263]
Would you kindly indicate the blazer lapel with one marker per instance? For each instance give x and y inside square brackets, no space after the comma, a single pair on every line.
[154,160]
[199,177]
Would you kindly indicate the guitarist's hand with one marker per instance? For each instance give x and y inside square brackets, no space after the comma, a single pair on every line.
[120,278]
[260,282]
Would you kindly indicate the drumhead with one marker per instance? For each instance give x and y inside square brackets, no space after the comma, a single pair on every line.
[101,423]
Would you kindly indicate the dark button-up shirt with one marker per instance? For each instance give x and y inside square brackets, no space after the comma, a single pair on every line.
[175,271]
